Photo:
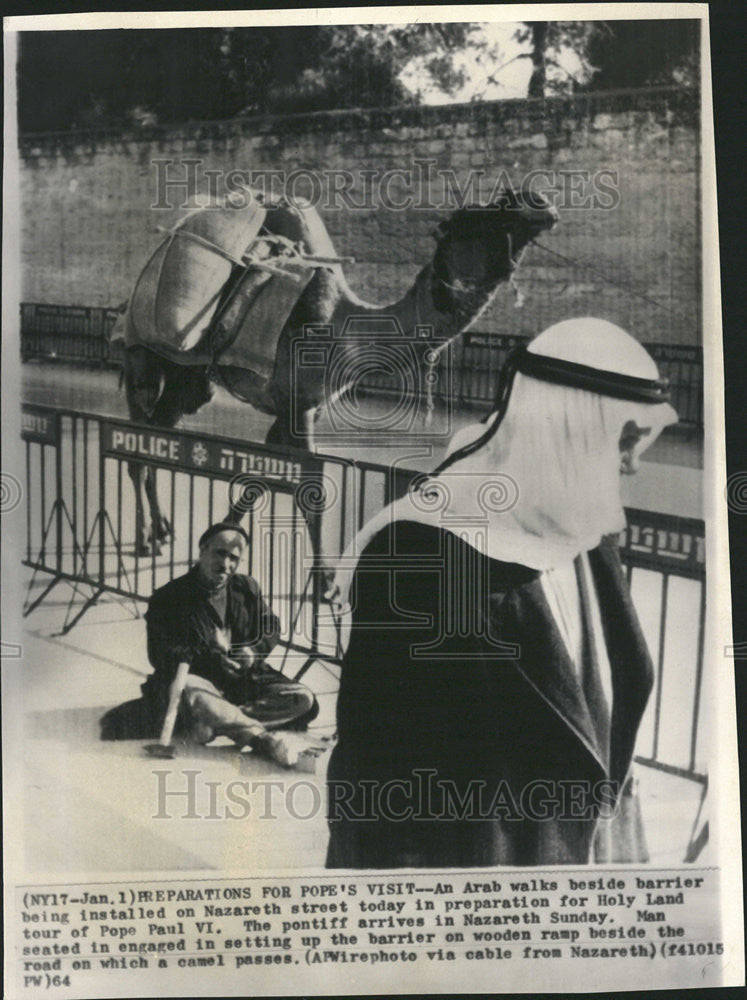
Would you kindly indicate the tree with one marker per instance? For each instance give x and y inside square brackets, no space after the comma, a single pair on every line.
[548,41]
[644,54]
[75,79]
[88,78]
[611,54]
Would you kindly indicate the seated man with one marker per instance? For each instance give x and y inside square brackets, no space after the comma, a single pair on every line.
[216,620]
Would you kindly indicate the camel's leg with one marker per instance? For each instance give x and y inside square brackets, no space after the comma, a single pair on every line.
[238,505]
[280,432]
[280,436]
[160,526]
[144,382]
[155,397]
[152,528]
[241,501]
[277,434]
[310,418]
[137,473]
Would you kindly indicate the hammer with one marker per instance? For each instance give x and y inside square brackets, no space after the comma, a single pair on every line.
[165,748]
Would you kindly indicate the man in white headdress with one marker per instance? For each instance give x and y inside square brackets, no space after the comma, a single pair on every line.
[495,673]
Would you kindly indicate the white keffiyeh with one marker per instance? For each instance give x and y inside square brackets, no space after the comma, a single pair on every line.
[546,486]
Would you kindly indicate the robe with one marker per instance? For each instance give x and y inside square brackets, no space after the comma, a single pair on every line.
[465,738]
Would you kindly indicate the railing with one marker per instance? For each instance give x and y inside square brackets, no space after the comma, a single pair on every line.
[301,512]
[68,333]
[82,521]
[478,357]
[82,334]
[664,557]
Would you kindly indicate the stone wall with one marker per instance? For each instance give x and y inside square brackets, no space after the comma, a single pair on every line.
[622,168]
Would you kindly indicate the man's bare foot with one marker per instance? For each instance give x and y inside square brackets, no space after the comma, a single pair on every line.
[277,747]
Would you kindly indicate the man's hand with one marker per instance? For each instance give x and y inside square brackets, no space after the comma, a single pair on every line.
[239,662]
[233,668]
[244,655]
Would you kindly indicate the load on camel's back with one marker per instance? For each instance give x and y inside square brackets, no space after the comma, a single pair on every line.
[229,292]
[217,291]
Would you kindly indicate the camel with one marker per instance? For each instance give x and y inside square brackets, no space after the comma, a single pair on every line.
[477,249]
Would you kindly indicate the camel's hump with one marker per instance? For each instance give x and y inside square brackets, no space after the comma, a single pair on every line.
[301,223]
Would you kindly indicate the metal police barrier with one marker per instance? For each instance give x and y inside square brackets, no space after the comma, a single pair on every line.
[301,511]
[664,557]
[62,503]
[78,334]
[478,358]
[83,527]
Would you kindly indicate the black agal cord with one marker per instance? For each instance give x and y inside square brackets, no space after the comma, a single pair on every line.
[568,373]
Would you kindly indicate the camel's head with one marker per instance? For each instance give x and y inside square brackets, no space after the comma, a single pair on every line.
[479,246]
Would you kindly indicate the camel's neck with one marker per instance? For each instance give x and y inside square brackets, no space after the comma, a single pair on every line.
[445,310]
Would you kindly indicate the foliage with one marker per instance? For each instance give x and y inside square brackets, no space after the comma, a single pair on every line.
[75,79]
[612,55]
[645,53]
[87,78]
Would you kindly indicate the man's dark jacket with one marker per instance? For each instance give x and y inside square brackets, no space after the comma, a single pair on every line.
[182,628]
[430,701]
